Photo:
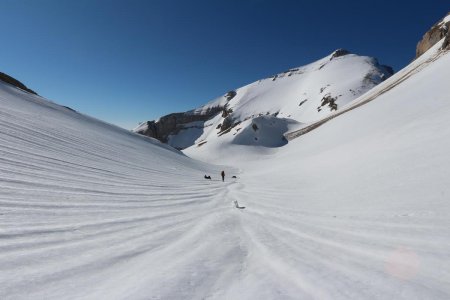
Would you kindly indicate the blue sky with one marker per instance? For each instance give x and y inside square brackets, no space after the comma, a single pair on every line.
[130,61]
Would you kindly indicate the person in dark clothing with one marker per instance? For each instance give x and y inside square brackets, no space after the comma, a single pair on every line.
[223,175]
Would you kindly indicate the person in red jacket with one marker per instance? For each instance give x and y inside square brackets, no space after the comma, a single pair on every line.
[223,175]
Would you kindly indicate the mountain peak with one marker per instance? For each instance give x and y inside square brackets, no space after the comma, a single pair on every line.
[261,112]
[339,52]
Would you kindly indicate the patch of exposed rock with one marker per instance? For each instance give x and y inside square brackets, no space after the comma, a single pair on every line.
[10,80]
[329,101]
[439,31]
[339,53]
[171,124]
[230,95]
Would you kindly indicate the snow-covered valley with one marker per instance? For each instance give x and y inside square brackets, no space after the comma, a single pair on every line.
[357,208]
[89,210]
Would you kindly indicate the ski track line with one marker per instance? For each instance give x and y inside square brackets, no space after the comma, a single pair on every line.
[362,248]
[92,211]
[88,211]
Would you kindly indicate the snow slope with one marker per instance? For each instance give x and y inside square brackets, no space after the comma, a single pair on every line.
[292,98]
[89,210]
[357,208]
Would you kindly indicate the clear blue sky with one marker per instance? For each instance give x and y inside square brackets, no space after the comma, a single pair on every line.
[130,61]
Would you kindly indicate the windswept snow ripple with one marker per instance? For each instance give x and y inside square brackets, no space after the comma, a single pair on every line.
[91,211]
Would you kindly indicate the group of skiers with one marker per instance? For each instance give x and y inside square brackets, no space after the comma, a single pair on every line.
[221,174]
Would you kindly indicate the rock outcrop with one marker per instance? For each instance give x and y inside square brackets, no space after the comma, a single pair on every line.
[339,53]
[439,31]
[10,80]
[171,124]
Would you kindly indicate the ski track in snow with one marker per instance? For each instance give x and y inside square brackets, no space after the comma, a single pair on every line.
[84,216]
[344,254]
[88,210]
[358,208]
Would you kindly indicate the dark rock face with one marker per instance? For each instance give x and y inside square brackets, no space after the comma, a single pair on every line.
[8,79]
[339,52]
[438,32]
[226,112]
[226,124]
[330,101]
[388,69]
[171,124]
[230,95]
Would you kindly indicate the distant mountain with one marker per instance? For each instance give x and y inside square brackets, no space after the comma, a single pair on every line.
[272,105]
[435,42]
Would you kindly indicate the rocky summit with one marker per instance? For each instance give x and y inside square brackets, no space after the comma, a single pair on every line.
[439,31]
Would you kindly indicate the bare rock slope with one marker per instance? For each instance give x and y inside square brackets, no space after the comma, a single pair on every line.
[438,32]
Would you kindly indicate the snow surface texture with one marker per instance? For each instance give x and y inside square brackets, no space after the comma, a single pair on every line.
[89,210]
[300,95]
[356,209]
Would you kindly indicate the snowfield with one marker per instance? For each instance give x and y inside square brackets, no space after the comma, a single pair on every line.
[358,208]
[89,210]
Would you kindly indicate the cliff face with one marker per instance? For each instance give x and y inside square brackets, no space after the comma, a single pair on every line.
[8,79]
[170,125]
[438,32]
